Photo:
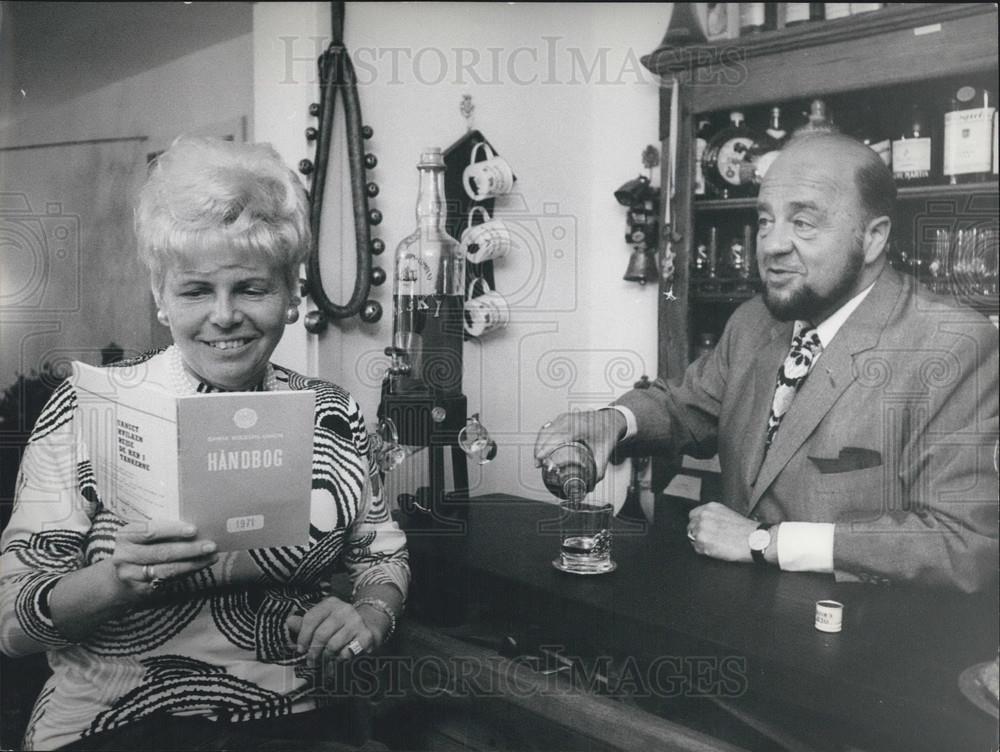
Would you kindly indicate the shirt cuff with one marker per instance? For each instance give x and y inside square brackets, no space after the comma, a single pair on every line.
[630,426]
[806,546]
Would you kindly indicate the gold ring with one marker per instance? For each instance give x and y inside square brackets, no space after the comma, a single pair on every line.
[147,572]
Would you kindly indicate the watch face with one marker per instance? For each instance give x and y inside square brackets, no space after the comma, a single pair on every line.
[759,540]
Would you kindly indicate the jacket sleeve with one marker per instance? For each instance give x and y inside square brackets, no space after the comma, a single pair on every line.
[47,532]
[376,550]
[681,416]
[944,528]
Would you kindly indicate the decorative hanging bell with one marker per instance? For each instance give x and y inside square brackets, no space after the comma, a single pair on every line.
[641,267]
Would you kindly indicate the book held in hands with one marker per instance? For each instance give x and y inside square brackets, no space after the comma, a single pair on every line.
[238,465]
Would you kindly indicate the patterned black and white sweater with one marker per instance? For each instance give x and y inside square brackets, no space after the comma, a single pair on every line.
[216,645]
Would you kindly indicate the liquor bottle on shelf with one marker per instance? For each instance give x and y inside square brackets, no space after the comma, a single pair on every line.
[819,119]
[738,263]
[699,264]
[750,247]
[724,161]
[799,13]
[713,252]
[701,140]
[760,156]
[758,17]
[877,139]
[912,151]
[968,135]
[833,11]
[775,129]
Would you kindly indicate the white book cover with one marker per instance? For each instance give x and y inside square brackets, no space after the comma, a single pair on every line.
[238,465]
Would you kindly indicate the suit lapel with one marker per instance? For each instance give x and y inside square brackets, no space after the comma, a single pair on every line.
[832,374]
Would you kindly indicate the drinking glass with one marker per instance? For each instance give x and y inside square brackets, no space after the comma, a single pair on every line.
[585,538]
[475,441]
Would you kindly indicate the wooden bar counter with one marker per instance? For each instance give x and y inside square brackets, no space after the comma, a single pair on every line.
[670,627]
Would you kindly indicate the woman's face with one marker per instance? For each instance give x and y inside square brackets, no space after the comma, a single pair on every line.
[226,311]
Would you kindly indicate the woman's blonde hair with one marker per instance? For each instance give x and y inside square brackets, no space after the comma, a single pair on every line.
[202,192]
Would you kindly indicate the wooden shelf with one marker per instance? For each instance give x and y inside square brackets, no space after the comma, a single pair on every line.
[907,46]
[906,192]
[716,297]
[667,60]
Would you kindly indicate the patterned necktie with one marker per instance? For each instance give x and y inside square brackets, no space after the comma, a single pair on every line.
[805,348]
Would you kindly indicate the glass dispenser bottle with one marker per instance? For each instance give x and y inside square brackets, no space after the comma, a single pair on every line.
[429,293]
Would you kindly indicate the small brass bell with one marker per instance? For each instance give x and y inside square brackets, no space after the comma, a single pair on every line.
[641,267]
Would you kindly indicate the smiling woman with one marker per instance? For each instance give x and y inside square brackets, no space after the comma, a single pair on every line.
[223,230]
[158,641]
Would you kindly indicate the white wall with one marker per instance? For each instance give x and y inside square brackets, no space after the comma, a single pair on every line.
[559,90]
[96,290]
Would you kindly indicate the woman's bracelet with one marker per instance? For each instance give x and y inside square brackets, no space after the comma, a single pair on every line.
[380,605]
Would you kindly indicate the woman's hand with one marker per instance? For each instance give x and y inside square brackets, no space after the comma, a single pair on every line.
[149,552]
[328,628]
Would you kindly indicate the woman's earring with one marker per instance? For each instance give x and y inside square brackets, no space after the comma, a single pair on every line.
[291,315]
[161,316]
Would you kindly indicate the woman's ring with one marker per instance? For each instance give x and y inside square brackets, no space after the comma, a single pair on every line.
[355,647]
[147,573]
[690,536]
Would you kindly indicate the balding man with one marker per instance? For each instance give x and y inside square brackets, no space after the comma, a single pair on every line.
[854,413]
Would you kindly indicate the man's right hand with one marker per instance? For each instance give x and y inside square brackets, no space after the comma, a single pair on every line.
[600,430]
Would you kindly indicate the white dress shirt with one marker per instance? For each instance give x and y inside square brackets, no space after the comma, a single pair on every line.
[802,546]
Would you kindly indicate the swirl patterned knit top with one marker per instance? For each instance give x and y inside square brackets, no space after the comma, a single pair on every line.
[215,644]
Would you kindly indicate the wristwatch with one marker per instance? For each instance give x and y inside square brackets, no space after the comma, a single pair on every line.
[759,540]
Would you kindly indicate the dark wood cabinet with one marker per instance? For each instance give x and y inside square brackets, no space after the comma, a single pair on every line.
[866,67]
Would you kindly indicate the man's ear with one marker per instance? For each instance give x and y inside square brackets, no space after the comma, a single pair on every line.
[876,238]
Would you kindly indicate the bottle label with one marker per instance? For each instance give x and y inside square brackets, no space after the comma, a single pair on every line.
[968,140]
[795,12]
[753,14]
[911,158]
[731,155]
[836,10]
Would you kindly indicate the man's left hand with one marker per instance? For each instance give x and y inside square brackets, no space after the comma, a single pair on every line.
[716,530]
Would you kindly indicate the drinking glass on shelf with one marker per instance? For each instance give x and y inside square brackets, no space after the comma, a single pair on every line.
[987,261]
[963,262]
[938,267]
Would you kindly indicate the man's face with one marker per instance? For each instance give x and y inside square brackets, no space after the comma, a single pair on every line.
[809,234]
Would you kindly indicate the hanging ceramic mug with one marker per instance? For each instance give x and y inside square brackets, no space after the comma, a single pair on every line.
[487,179]
[486,313]
[487,241]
